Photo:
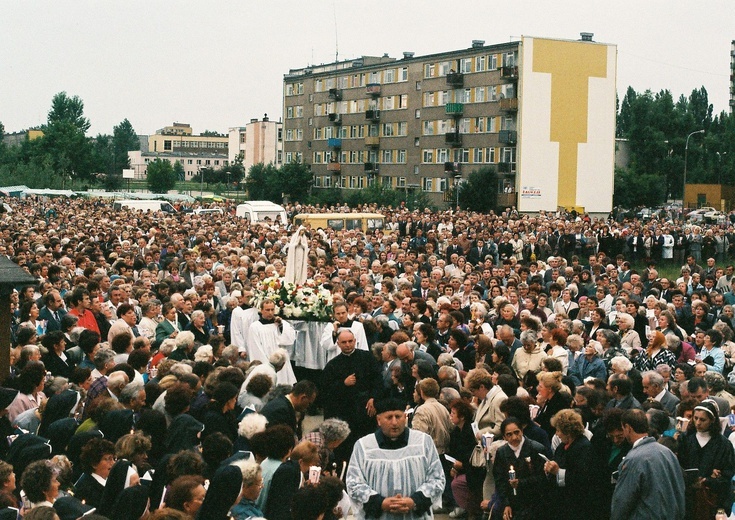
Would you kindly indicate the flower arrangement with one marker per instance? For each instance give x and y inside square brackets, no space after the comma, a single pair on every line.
[307,301]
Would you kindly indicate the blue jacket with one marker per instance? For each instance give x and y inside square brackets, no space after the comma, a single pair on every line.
[583,368]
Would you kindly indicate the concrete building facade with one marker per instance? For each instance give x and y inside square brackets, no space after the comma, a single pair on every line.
[424,123]
[191,161]
[260,141]
[180,138]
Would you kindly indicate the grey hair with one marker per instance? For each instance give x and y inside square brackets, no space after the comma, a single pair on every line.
[448,394]
[334,430]
[250,471]
[673,342]
[627,318]
[479,306]
[450,372]
[179,369]
[445,360]
[621,362]
[184,339]
[197,313]
[130,392]
[102,357]
[715,381]
[576,340]
[167,346]
[654,378]
[278,358]
[529,337]
[56,385]
[411,345]
[251,424]
[203,353]
[391,346]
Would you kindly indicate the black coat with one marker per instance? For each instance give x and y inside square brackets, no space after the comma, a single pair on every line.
[557,402]
[576,459]
[284,485]
[281,411]
[89,490]
[528,500]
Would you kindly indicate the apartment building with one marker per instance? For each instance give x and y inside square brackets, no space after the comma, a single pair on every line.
[180,138]
[424,123]
[259,141]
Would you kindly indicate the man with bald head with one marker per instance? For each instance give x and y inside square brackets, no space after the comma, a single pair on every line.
[351,382]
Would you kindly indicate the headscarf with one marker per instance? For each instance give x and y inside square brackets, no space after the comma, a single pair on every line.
[131,504]
[224,491]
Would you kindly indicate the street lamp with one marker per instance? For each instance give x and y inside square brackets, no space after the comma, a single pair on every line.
[201,183]
[686,154]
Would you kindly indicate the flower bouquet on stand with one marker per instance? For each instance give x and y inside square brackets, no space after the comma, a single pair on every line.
[306,302]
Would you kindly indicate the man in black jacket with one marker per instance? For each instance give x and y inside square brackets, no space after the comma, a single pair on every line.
[283,409]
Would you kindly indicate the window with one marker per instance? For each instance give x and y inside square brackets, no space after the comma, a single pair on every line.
[387,182]
[388,102]
[479,94]
[327,181]
[418,113]
[478,155]
[216,162]
[508,155]
[491,125]
[386,156]
[464,126]
[492,93]
[443,184]
[317,181]
[299,111]
[319,85]
[403,101]
[480,62]
[299,134]
[360,184]
[428,128]
[462,155]
[492,63]
[428,156]
[401,159]
[311,121]
[373,131]
[167,145]
[199,161]
[508,123]
[402,128]
[489,155]
[401,182]
[508,91]
[280,134]
[289,134]
[289,112]
[416,141]
[374,77]
[429,70]
[509,59]
[389,75]
[442,155]
[444,97]
[444,68]
[465,65]
[189,161]
[207,162]
[280,156]
[289,89]
[299,88]
[479,124]
[418,85]
[403,76]
[387,129]
[428,99]
[353,182]
[427,184]
[289,157]
[317,158]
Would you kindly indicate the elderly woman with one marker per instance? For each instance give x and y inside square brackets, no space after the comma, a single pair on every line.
[705,449]
[610,343]
[97,458]
[186,494]
[550,399]
[656,353]
[629,338]
[478,313]
[198,325]
[330,434]
[40,483]
[683,351]
[569,469]
[589,365]
[529,357]
[252,483]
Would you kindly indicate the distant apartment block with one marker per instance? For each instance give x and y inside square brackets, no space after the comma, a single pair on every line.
[259,141]
[541,112]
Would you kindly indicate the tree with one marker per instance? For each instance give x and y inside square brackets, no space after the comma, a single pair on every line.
[295,180]
[262,183]
[161,176]
[179,171]
[479,191]
[124,139]
[65,142]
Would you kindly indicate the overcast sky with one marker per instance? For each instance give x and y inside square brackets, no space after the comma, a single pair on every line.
[217,64]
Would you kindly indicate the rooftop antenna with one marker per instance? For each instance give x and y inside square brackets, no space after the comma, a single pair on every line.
[336,36]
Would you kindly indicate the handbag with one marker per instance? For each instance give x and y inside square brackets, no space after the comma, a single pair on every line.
[477,458]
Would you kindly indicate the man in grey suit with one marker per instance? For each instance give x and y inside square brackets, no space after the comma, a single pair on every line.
[655,388]
[637,495]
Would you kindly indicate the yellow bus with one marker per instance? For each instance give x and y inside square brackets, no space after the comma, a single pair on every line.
[366,222]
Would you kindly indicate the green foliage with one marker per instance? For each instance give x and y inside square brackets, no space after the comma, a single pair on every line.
[161,176]
[480,191]
[211,133]
[124,139]
[179,171]
[65,142]
[295,180]
[262,183]
[373,194]
[632,189]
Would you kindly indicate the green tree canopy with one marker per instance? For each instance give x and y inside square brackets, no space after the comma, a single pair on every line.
[65,141]
[479,192]
[161,176]
[262,183]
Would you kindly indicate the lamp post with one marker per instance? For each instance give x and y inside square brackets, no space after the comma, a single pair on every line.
[201,183]
[686,154]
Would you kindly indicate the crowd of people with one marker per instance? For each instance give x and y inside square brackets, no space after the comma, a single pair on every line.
[514,366]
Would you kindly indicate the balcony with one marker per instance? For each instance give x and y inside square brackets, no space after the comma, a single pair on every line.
[453,139]
[335,118]
[335,94]
[509,104]
[334,167]
[453,168]
[455,79]
[372,115]
[334,142]
[454,109]
[507,137]
[506,167]
[371,167]
[509,72]
[372,141]
[372,89]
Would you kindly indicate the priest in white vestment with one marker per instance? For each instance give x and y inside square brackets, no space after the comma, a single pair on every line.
[266,335]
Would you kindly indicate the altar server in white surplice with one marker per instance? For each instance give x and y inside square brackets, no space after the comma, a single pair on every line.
[341,321]
[266,335]
[242,317]
[395,471]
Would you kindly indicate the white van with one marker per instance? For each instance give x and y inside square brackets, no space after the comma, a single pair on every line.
[257,211]
[208,211]
[144,206]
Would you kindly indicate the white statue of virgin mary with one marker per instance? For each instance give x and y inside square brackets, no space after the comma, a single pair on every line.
[297,258]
